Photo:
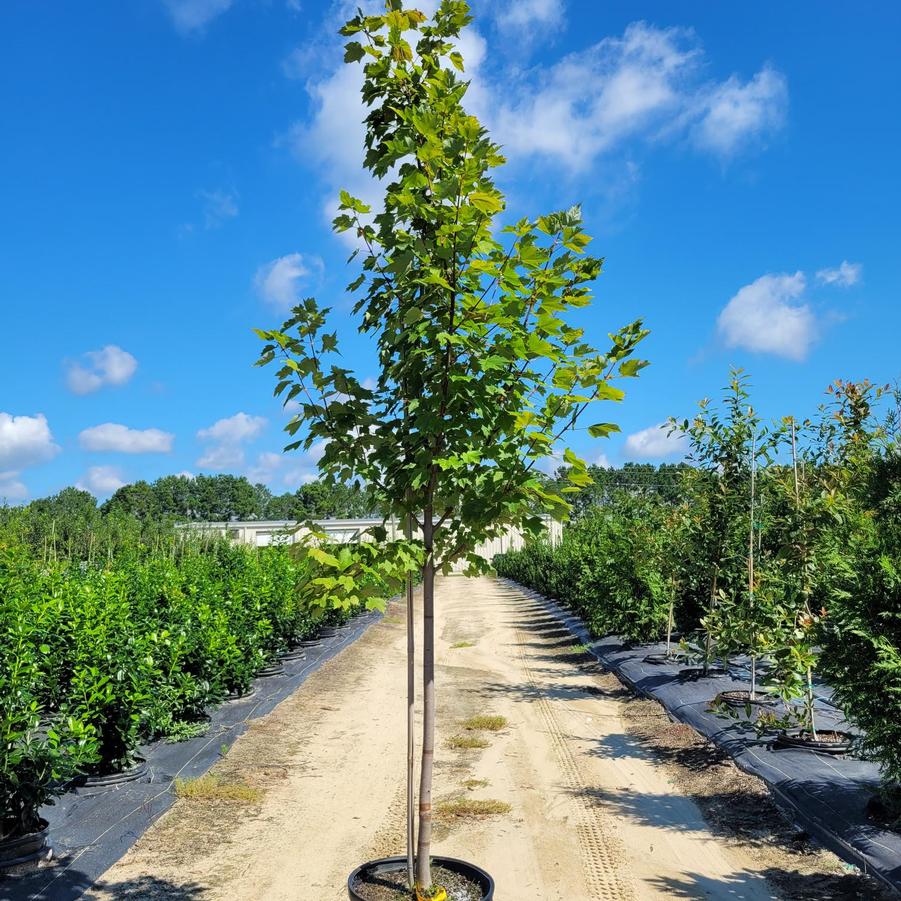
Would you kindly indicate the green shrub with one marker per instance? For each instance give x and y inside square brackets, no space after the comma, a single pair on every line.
[98,657]
[611,567]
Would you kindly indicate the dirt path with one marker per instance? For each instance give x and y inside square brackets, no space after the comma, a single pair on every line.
[593,813]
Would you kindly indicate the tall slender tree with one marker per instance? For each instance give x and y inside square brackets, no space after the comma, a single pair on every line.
[480,374]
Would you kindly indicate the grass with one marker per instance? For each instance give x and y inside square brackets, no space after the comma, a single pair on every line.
[393,620]
[473,784]
[182,730]
[578,649]
[472,808]
[212,788]
[485,723]
[462,644]
[466,742]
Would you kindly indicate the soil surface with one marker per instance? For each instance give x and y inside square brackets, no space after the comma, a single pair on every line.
[393,886]
[605,800]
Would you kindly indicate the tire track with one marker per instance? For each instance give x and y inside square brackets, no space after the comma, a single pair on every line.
[600,851]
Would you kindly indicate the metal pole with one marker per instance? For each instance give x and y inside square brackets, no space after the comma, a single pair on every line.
[411,702]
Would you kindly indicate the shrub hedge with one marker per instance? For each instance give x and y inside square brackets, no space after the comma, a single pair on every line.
[808,578]
[95,659]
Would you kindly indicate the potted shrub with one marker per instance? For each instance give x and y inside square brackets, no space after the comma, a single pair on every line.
[480,376]
[39,753]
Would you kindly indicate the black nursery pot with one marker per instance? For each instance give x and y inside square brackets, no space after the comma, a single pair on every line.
[742,698]
[98,782]
[468,871]
[24,849]
[801,739]
[274,668]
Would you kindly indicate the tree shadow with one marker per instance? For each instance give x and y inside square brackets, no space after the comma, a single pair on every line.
[72,884]
[687,812]
[793,884]
[152,888]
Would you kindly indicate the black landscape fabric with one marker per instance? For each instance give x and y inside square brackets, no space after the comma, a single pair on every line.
[827,795]
[90,830]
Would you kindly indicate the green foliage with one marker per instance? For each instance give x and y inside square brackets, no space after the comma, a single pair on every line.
[95,658]
[614,566]
[480,373]
[811,582]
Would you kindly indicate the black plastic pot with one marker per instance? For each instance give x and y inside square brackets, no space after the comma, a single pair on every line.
[660,659]
[697,672]
[241,695]
[328,632]
[742,698]
[98,782]
[297,653]
[271,669]
[799,739]
[24,849]
[310,643]
[468,871]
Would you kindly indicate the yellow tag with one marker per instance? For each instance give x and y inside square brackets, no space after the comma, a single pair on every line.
[438,894]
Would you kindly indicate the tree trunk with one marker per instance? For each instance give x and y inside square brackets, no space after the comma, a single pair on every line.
[423,849]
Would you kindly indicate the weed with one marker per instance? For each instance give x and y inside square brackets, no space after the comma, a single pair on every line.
[485,723]
[462,644]
[472,808]
[182,730]
[466,742]
[473,784]
[212,788]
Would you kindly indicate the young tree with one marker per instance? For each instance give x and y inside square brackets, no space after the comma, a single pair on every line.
[480,375]
[722,446]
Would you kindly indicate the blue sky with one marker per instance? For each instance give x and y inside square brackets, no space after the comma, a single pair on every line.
[168,168]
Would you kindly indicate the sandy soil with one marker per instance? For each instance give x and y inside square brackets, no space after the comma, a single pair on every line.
[599,807]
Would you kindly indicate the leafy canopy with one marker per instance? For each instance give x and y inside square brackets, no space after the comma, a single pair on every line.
[480,373]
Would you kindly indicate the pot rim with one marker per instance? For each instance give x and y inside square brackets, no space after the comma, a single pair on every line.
[437,859]
[10,839]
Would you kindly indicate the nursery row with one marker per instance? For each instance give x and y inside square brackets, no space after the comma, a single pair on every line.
[782,545]
[95,659]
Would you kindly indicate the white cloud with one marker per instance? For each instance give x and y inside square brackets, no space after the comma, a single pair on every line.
[530,16]
[11,488]
[768,316]
[112,436]
[101,480]
[655,442]
[221,456]
[843,276]
[736,114]
[603,461]
[108,366]
[234,429]
[227,436]
[25,441]
[331,141]
[195,15]
[288,470]
[218,207]
[265,469]
[279,282]
[644,85]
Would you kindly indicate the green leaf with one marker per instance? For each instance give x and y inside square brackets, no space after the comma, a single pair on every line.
[487,203]
[602,429]
[353,52]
